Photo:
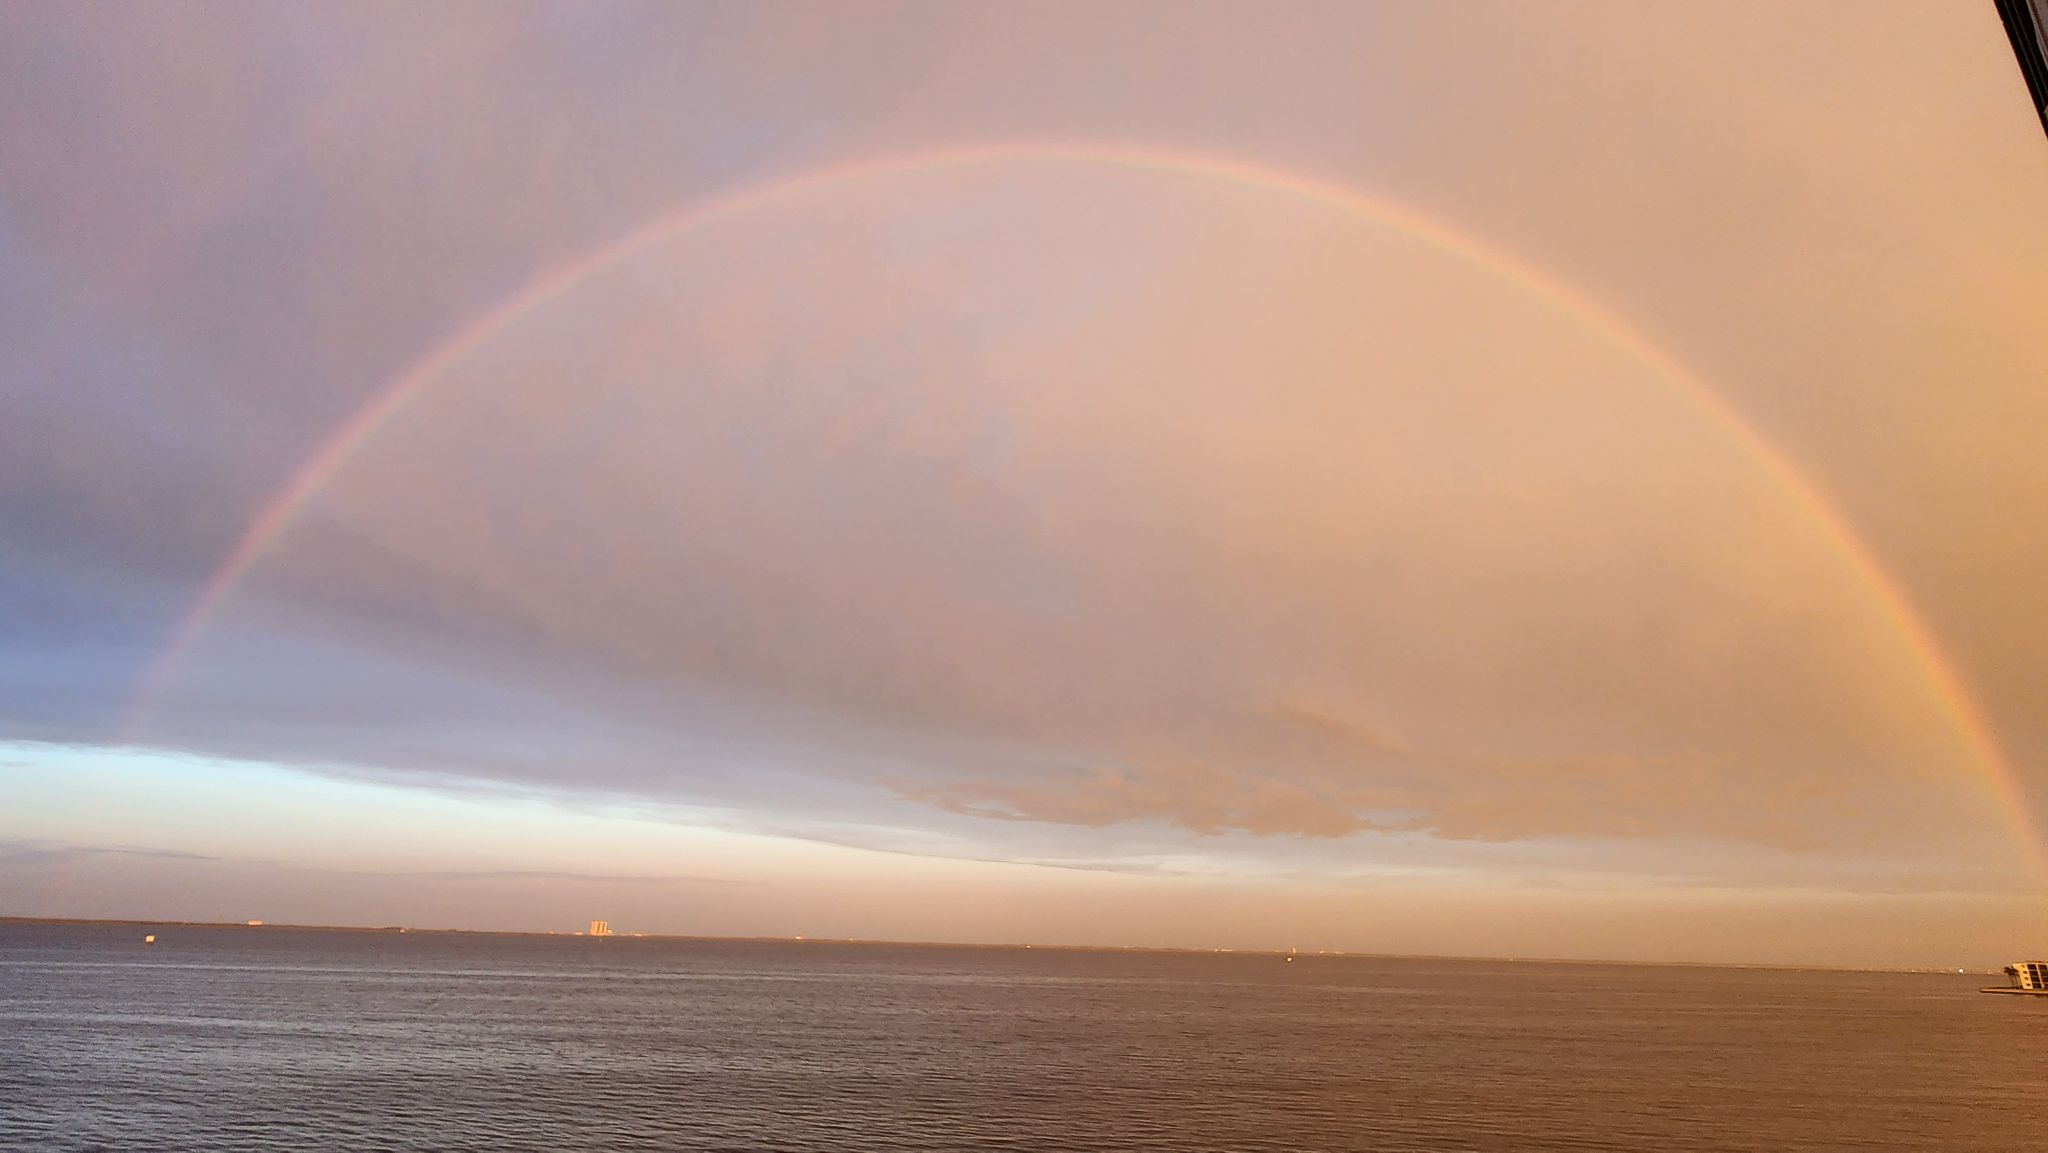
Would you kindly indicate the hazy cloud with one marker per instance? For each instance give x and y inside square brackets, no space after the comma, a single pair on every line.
[546,875]
[34,853]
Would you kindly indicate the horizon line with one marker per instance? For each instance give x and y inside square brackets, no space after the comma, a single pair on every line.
[1205,950]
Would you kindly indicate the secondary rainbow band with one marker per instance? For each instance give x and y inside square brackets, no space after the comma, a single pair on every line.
[1896,608]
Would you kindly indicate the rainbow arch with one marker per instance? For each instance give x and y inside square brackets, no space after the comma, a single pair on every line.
[1896,608]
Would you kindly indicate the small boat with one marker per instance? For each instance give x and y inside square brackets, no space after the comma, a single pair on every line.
[2025,977]
[149,938]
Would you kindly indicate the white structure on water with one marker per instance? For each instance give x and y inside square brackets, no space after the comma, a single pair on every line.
[600,928]
[2026,977]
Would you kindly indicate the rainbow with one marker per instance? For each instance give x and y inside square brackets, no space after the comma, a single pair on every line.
[1896,608]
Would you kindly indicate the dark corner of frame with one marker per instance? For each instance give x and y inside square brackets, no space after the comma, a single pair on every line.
[2024,24]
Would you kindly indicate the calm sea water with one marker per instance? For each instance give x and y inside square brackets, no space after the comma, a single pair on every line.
[275,1039]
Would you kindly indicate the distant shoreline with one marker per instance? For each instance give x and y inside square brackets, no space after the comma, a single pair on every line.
[411,930]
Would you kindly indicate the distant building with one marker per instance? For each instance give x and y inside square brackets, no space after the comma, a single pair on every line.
[600,928]
[253,924]
[2027,977]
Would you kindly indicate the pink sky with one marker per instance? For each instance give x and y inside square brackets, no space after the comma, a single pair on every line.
[1336,476]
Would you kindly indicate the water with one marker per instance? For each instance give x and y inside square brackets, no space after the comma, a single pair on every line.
[274,1039]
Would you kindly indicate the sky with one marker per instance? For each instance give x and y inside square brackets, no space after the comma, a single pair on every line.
[1552,479]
